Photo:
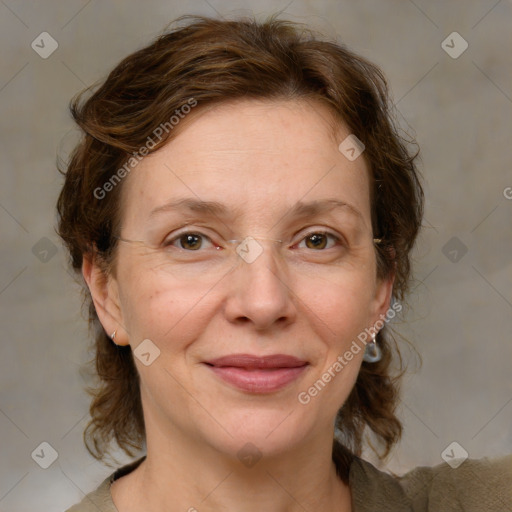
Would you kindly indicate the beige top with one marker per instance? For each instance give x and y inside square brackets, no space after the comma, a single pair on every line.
[481,485]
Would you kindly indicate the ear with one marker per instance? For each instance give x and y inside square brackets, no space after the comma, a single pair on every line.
[382,298]
[105,296]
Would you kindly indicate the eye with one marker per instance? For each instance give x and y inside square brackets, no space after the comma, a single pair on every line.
[319,240]
[189,241]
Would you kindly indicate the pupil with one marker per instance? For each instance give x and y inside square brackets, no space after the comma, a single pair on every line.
[316,241]
[191,242]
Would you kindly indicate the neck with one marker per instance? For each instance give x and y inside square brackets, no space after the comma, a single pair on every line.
[190,477]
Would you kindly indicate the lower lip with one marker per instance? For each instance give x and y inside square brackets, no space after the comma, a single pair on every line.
[258,381]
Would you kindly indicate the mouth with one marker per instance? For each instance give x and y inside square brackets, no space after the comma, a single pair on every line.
[257,374]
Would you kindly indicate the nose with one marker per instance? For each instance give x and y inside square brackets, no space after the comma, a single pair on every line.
[260,290]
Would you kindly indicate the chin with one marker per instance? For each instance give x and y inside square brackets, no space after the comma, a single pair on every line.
[265,433]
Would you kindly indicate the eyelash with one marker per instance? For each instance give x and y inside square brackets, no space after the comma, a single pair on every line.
[337,239]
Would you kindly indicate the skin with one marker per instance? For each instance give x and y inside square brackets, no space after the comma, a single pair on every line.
[260,158]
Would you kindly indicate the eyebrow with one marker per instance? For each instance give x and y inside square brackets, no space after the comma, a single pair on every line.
[214,208]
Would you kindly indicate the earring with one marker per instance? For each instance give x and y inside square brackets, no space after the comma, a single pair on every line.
[113,336]
[373,352]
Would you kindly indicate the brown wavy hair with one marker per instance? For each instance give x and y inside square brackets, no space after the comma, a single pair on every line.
[215,61]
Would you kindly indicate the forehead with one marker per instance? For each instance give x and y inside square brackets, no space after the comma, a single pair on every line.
[260,157]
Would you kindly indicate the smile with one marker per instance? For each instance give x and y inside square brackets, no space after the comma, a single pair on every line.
[256,374]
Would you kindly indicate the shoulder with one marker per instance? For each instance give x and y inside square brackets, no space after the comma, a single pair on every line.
[474,486]
[100,500]
[477,484]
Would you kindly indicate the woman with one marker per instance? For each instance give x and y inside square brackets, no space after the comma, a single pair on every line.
[242,211]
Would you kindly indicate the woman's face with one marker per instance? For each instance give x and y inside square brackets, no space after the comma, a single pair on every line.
[274,172]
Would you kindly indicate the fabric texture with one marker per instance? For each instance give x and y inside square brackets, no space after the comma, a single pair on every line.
[477,485]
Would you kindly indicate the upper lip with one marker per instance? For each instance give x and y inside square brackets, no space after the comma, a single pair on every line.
[253,361]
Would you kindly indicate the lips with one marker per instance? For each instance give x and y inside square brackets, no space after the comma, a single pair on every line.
[257,374]
[249,362]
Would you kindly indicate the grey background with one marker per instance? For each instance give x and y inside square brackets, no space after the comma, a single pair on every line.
[459,316]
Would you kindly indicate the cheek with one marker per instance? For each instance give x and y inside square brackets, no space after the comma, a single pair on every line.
[337,313]
[160,307]
[340,301]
